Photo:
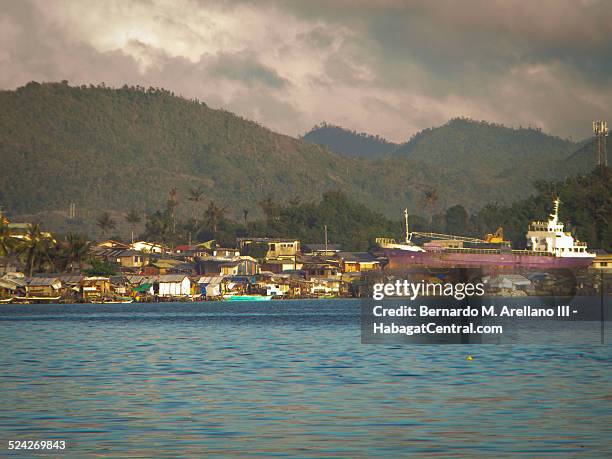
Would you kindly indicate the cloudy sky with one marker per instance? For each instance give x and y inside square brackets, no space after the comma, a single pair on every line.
[382,66]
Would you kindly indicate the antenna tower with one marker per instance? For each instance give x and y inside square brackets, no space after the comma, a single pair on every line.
[600,132]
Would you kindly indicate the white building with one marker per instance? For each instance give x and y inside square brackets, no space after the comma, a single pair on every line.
[211,286]
[174,285]
[147,247]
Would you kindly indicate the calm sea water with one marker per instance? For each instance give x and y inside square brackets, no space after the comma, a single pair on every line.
[286,379]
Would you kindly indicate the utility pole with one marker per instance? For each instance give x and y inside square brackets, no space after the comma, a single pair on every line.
[407,231]
[325,227]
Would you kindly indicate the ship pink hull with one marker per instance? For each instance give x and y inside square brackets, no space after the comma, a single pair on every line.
[401,259]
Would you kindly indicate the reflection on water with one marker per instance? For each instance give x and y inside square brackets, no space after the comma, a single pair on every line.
[286,379]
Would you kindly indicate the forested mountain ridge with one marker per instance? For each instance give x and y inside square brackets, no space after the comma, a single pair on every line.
[349,143]
[116,148]
[121,149]
[470,142]
[468,152]
[462,145]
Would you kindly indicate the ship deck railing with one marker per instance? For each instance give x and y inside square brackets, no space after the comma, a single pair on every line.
[532,253]
[497,252]
[470,250]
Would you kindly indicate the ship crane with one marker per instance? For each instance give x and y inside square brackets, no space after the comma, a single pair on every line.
[498,236]
[448,236]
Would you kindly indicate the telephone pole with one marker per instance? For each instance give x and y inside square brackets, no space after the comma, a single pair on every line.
[325,226]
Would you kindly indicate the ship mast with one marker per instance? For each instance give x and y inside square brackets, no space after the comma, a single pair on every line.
[555,215]
[407,232]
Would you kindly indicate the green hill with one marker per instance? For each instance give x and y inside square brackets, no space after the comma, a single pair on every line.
[106,149]
[465,145]
[349,143]
[118,149]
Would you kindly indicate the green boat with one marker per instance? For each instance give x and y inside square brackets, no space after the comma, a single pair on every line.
[246,298]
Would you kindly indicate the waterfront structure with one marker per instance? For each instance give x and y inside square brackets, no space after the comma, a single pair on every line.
[44,287]
[95,288]
[603,262]
[358,262]
[211,286]
[173,285]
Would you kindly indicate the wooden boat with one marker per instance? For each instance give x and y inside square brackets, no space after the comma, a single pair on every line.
[37,298]
[246,298]
[120,301]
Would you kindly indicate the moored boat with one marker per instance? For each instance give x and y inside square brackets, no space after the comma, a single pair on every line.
[548,246]
[246,298]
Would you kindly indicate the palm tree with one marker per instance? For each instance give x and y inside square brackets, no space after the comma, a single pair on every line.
[245,214]
[36,248]
[270,209]
[77,249]
[133,218]
[430,197]
[106,223]
[159,227]
[7,242]
[172,204]
[213,216]
[195,196]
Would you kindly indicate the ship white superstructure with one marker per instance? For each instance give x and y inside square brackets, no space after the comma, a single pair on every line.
[550,237]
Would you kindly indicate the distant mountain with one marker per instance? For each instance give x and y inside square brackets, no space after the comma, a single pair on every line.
[118,149]
[509,157]
[464,145]
[349,143]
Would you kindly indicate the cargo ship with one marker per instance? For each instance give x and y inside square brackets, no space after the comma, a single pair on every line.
[548,247]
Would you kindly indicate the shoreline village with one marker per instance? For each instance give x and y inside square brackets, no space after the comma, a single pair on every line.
[37,267]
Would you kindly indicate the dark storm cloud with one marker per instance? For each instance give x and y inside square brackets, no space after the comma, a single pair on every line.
[388,67]
[243,67]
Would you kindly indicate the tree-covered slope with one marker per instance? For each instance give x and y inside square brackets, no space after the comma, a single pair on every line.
[464,145]
[121,149]
[349,143]
[103,148]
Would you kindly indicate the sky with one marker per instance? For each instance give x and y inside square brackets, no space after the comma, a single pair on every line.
[379,66]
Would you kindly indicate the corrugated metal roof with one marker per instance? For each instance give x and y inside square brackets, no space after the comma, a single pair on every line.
[44,281]
[210,279]
[8,284]
[71,278]
[172,277]
[362,257]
